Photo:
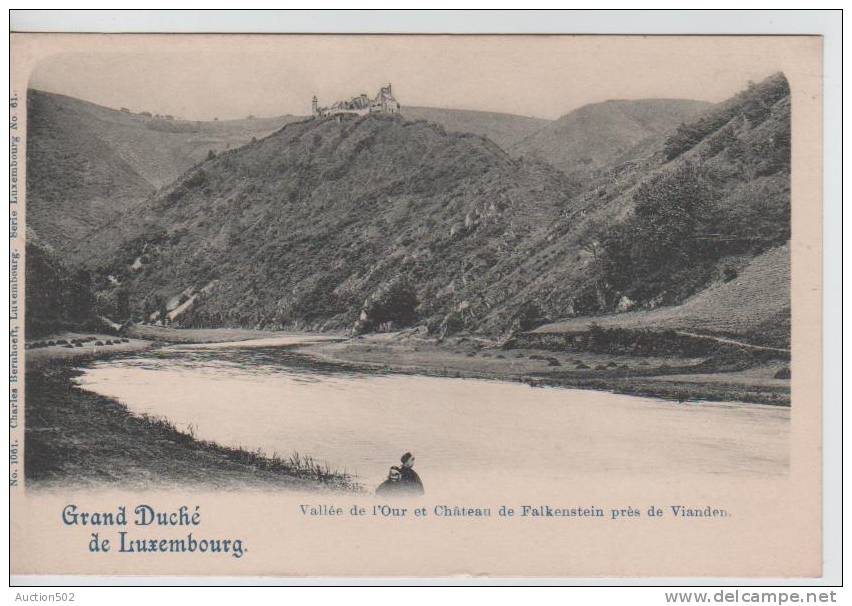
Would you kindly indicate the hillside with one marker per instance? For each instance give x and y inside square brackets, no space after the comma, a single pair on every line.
[89,166]
[505,130]
[158,148]
[322,218]
[57,298]
[754,306]
[379,222]
[75,181]
[600,134]
[684,217]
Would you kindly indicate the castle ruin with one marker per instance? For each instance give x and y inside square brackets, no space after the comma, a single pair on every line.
[383,102]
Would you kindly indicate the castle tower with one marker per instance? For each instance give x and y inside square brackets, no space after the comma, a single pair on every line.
[314,110]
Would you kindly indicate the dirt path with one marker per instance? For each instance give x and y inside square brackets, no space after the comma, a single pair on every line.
[732,342]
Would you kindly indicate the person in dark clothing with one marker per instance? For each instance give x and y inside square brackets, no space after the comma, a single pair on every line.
[401,481]
[408,476]
[391,486]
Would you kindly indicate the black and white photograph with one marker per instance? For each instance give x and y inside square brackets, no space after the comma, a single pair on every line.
[204,282]
[462,278]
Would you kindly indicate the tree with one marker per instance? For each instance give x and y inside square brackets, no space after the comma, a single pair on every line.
[529,316]
[591,242]
[669,212]
[122,304]
[148,308]
[160,304]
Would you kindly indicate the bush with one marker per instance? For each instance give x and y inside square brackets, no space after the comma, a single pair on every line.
[452,323]
[395,302]
[784,373]
[529,316]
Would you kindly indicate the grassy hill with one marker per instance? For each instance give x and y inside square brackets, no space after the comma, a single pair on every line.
[597,135]
[75,182]
[688,215]
[322,218]
[384,221]
[158,148]
[505,130]
[89,166]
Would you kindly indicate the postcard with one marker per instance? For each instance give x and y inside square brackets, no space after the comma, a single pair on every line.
[468,306]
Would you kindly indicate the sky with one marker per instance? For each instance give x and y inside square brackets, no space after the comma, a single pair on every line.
[202,77]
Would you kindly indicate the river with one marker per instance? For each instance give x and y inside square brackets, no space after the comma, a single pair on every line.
[462,431]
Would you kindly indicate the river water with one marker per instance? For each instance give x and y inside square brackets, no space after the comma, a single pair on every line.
[462,431]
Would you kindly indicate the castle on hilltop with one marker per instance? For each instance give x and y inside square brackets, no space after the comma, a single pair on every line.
[383,102]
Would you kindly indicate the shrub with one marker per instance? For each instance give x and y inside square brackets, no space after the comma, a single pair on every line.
[529,316]
[784,373]
[453,323]
[394,302]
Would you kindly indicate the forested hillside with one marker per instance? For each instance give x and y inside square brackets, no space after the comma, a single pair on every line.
[376,222]
[57,297]
[601,134]
[315,222]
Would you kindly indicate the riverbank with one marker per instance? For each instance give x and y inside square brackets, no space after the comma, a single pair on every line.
[74,436]
[72,347]
[166,334]
[80,438]
[670,377]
